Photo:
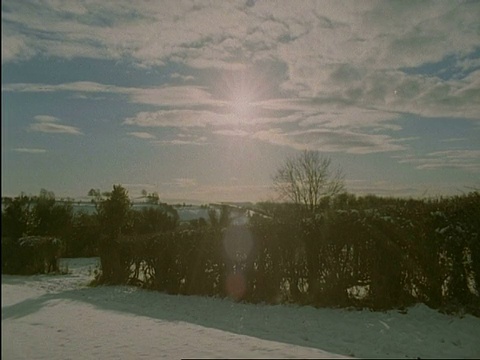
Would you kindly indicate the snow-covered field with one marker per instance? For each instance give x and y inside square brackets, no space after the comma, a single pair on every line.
[60,317]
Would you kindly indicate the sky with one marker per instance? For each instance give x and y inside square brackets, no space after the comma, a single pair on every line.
[204,100]
[60,317]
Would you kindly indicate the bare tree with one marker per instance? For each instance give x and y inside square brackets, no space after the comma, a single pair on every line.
[307,178]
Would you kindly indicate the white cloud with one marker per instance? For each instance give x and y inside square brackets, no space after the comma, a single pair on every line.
[54,128]
[278,137]
[351,117]
[15,48]
[182,77]
[49,124]
[302,35]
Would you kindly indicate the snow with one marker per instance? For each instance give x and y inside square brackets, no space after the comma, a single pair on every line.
[191,213]
[60,317]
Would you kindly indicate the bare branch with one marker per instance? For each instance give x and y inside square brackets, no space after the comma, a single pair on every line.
[306,179]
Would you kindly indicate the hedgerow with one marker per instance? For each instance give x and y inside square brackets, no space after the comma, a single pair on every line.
[379,253]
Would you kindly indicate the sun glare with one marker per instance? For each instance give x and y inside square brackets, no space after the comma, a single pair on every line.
[242,104]
[241,90]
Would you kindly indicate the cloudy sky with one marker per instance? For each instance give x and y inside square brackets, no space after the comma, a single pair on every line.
[203,100]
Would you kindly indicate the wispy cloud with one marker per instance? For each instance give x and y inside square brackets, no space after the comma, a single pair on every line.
[454,140]
[339,126]
[160,96]
[376,97]
[325,122]
[49,124]
[176,118]
[30,150]
[200,142]
[232,132]
[78,86]
[142,135]
[182,77]
[467,160]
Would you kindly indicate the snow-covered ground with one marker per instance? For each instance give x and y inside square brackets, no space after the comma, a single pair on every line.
[60,317]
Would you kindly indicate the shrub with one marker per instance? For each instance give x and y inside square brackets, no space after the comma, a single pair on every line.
[33,255]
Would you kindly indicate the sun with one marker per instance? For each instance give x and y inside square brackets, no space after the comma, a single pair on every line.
[241,92]
[241,103]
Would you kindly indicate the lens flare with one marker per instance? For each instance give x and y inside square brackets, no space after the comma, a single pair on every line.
[238,246]
[236,286]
